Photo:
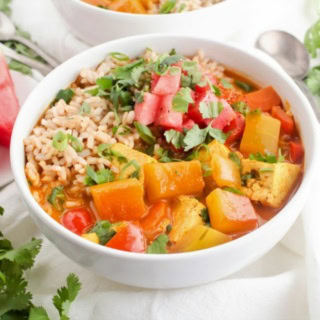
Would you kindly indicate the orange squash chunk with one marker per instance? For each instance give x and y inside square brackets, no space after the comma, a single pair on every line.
[130,6]
[230,213]
[119,200]
[263,99]
[103,3]
[168,180]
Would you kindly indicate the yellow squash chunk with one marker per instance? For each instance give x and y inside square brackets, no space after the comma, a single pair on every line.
[225,172]
[130,154]
[261,134]
[91,237]
[198,238]
[185,215]
[230,213]
[168,180]
[119,200]
[271,183]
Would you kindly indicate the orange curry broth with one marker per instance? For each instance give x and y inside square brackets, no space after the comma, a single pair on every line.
[264,213]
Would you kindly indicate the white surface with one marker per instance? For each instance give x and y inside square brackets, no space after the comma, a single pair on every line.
[23,85]
[170,271]
[275,287]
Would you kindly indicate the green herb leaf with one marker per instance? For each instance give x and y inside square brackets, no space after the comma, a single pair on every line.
[136,74]
[281,157]
[235,158]
[217,134]
[210,109]
[194,137]
[163,155]
[233,190]
[85,108]
[226,84]
[119,56]
[57,197]
[105,83]
[241,107]
[5,7]
[99,177]
[38,313]
[204,214]
[60,141]
[75,143]
[104,231]
[163,63]
[244,86]
[144,133]
[19,67]
[263,170]
[194,74]
[313,80]
[135,174]
[206,169]
[312,39]
[139,96]
[213,88]
[65,94]
[66,295]
[159,245]
[104,151]
[1,211]
[182,100]
[167,7]
[175,138]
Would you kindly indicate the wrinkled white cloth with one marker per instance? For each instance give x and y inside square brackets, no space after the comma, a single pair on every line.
[283,285]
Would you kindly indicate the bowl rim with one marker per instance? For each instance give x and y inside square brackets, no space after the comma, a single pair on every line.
[20,179]
[149,15]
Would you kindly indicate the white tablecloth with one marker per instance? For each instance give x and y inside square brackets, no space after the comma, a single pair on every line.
[283,285]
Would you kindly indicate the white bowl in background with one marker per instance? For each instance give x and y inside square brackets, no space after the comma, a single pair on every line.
[94,25]
[183,269]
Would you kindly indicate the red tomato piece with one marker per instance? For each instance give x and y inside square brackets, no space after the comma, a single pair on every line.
[145,112]
[235,128]
[188,124]
[296,152]
[287,123]
[77,220]
[9,105]
[166,84]
[168,118]
[151,224]
[130,238]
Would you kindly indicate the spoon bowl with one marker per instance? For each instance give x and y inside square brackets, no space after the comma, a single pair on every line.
[287,50]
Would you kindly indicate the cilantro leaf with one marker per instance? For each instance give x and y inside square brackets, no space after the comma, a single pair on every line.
[65,94]
[204,214]
[99,177]
[105,83]
[268,157]
[163,155]
[104,231]
[226,84]
[158,246]
[182,100]
[38,313]
[242,107]
[66,295]
[19,67]
[217,134]
[210,109]
[163,63]
[194,74]
[312,39]
[194,137]
[145,133]
[244,86]
[136,73]
[57,197]
[175,138]
[213,88]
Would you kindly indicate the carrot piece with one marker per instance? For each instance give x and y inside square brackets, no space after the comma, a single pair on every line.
[168,180]
[263,99]
[287,123]
[130,6]
[156,221]
[296,152]
[119,200]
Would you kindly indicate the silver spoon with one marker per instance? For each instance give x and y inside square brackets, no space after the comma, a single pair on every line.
[292,55]
[8,32]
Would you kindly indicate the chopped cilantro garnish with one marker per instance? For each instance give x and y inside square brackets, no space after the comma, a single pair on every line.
[60,141]
[226,84]
[242,107]
[144,133]
[105,151]
[75,143]
[163,63]
[213,88]
[57,197]
[210,109]
[233,190]
[206,169]
[167,7]
[268,157]
[135,174]
[159,245]
[182,100]
[312,39]
[175,138]
[98,177]
[104,231]
[244,86]
[85,108]
[65,94]
[235,158]
[194,74]
[163,155]
[139,96]
[204,214]
[105,83]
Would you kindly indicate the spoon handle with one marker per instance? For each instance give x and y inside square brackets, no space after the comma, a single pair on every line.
[306,91]
[43,68]
[51,61]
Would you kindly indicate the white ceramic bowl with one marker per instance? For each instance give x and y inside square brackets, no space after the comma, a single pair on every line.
[95,25]
[174,270]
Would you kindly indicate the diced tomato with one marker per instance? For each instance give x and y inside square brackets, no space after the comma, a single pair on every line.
[9,105]
[235,128]
[152,223]
[296,151]
[130,238]
[168,118]
[188,124]
[263,99]
[287,123]
[167,84]
[146,111]
[224,118]
[77,220]
[154,79]
[201,89]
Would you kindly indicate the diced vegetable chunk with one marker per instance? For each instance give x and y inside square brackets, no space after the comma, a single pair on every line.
[296,152]
[168,180]
[261,134]
[235,129]
[225,172]
[287,123]
[168,118]
[230,213]
[77,220]
[129,237]
[224,118]
[167,84]
[93,237]
[263,99]
[130,6]
[270,183]
[119,200]
[186,213]
[156,221]
[146,111]
[200,237]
